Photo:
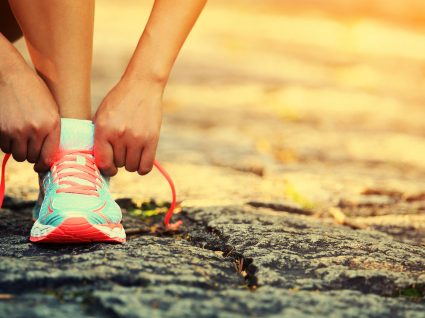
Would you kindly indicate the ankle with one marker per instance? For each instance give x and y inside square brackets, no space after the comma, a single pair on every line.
[81,114]
[76,134]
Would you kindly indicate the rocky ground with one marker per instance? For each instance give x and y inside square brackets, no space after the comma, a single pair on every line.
[296,140]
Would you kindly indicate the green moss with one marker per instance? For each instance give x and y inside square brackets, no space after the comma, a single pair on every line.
[412,292]
[149,209]
[295,196]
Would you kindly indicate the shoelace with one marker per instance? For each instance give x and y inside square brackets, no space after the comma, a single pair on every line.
[67,168]
[88,172]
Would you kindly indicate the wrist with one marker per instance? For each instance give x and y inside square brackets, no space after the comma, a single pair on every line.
[146,76]
[150,81]
[140,89]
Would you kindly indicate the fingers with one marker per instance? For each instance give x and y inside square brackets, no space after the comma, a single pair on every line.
[104,154]
[147,159]
[104,151]
[33,149]
[119,143]
[5,144]
[132,158]
[19,150]
[49,150]
[119,154]
[41,164]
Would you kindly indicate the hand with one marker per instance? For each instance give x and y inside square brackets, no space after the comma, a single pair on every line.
[127,126]
[29,118]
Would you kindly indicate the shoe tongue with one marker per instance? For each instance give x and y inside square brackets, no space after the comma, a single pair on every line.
[76,134]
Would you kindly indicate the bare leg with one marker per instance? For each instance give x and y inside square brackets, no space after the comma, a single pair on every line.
[59,36]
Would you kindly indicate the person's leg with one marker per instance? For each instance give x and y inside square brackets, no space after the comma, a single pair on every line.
[59,36]
[8,25]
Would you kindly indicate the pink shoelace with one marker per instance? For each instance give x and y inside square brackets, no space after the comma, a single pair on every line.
[89,173]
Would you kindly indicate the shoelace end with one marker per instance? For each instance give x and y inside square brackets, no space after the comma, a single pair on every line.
[176,225]
[173,226]
[3,178]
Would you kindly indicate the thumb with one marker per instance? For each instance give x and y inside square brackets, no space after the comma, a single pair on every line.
[49,150]
[104,155]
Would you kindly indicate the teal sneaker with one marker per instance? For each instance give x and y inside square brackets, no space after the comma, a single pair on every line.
[75,203]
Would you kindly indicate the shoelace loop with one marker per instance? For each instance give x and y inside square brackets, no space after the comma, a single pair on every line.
[89,176]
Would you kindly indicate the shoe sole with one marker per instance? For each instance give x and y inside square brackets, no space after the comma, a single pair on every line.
[77,230]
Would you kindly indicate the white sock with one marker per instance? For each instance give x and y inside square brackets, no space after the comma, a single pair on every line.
[76,134]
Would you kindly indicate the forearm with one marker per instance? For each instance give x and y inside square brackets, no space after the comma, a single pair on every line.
[168,27]
[11,60]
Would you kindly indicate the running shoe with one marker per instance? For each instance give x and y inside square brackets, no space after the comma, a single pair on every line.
[75,204]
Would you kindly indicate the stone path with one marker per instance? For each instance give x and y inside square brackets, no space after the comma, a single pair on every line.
[299,166]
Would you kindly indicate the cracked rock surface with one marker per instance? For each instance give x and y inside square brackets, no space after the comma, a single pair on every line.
[294,266]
